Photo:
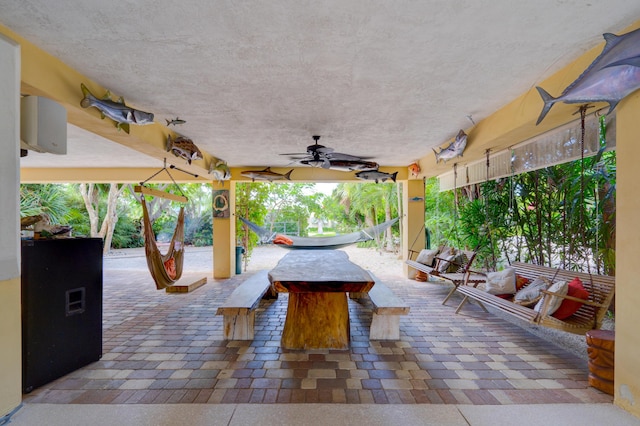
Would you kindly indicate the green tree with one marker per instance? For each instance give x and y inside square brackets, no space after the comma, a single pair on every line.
[48,200]
[368,204]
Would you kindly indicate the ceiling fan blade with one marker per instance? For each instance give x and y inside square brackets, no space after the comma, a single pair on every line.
[321,149]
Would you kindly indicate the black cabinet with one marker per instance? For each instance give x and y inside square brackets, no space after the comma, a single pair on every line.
[61,307]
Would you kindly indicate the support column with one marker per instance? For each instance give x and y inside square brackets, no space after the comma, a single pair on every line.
[224,231]
[10,327]
[413,220]
[627,368]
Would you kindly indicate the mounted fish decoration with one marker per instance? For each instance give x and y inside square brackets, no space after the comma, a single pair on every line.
[376,175]
[414,169]
[220,171]
[115,110]
[184,148]
[175,121]
[347,165]
[266,174]
[613,75]
[455,148]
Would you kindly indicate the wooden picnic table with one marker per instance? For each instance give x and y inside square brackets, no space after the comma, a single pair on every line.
[318,282]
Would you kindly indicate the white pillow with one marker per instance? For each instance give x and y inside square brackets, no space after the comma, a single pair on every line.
[426,257]
[503,282]
[560,287]
[445,260]
[530,294]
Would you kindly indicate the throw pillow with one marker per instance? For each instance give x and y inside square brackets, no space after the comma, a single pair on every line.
[503,282]
[282,239]
[530,294]
[426,257]
[570,307]
[521,281]
[459,261]
[445,260]
[170,267]
[559,287]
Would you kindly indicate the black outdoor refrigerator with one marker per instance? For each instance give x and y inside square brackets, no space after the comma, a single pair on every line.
[61,307]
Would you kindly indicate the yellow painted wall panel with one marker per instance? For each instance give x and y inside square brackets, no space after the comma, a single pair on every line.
[11,347]
[627,367]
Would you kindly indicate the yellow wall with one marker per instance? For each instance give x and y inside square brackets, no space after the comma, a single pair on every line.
[627,367]
[224,234]
[412,221]
[10,346]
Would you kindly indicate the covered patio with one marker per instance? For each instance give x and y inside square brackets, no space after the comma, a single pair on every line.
[164,348]
[168,349]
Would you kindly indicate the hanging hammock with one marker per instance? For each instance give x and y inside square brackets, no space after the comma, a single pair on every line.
[165,269]
[318,243]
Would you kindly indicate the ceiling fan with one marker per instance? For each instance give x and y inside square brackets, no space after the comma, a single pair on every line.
[321,156]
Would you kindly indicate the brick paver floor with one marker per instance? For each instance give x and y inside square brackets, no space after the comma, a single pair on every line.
[168,348]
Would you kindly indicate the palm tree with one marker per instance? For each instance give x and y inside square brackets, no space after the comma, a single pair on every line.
[370,202]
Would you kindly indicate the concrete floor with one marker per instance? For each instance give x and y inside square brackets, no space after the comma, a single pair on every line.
[322,414]
[164,362]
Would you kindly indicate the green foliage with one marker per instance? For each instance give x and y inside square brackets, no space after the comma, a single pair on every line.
[48,200]
[439,213]
[127,234]
[557,216]
[368,204]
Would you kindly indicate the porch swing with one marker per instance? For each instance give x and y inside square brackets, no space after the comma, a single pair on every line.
[451,265]
[166,269]
[587,311]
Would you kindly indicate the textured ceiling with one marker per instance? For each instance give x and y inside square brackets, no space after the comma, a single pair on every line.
[383,79]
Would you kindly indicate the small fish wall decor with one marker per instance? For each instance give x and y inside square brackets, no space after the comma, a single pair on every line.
[613,75]
[184,148]
[220,171]
[118,111]
[174,122]
[266,174]
[455,148]
[376,176]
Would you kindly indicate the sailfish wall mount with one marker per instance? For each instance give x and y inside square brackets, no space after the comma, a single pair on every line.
[613,75]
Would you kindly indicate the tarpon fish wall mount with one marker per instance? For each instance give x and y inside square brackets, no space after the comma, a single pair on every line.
[613,75]
[455,148]
[118,111]
[376,175]
[266,174]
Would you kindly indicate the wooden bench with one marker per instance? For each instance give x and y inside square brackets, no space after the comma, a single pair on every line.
[387,308]
[239,309]
[601,289]
[462,276]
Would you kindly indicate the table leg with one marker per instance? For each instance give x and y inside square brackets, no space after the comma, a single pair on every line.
[316,321]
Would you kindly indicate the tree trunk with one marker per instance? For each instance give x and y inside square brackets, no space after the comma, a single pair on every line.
[111,217]
[388,231]
[88,195]
[91,199]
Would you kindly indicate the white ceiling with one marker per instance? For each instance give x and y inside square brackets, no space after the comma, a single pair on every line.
[383,79]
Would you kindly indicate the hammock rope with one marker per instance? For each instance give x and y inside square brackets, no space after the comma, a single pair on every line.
[320,243]
[166,268]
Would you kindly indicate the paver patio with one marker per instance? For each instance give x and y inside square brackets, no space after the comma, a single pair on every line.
[168,348]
